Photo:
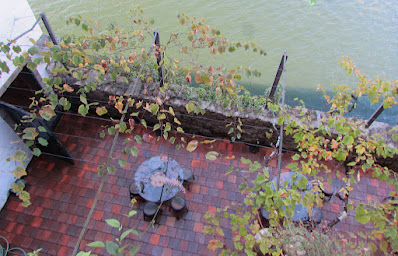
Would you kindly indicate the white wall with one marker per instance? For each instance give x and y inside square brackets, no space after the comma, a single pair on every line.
[15,18]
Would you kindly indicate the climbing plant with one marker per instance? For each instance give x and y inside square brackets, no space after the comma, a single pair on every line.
[128,57]
[333,140]
[80,64]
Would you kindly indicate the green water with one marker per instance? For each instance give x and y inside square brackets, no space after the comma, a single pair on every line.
[315,37]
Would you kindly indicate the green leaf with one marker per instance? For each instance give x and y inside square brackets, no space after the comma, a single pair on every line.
[260,178]
[127,232]
[42,129]
[138,138]
[292,165]
[296,157]
[348,140]
[190,107]
[30,133]
[76,59]
[362,215]
[242,186]
[33,50]
[192,145]
[134,151]
[156,126]
[24,196]
[78,75]
[19,155]
[43,142]
[211,155]
[47,113]
[16,49]
[143,122]
[134,250]
[111,130]
[171,111]
[4,67]
[154,108]
[83,110]
[113,223]
[97,244]
[114,76]
[230,169]
[18,186]
[31,65]
[122,126]
[122,162]
[101,111]
[245,161]
[83,99]
[340,156]
[302,182]
[36,152]
[179,129]
[19,61]
[161,116]
[84,253]
[110,169]
[112,248]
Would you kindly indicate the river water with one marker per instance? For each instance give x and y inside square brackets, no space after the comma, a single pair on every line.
[315,37]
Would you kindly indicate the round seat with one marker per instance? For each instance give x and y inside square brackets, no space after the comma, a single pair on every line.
[187,174]
[179,207]
[150,210]
[327,189]
[178,203]
[134,190]
[264,215]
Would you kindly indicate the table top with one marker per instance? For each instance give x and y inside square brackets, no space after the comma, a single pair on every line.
[287,177]
[300,212]
[151,172]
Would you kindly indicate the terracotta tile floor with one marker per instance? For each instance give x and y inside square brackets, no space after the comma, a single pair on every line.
[62,195]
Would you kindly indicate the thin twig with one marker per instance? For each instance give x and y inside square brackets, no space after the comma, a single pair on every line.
[281,128]
[110,156]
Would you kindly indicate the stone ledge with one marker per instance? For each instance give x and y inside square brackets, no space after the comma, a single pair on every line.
[213,122]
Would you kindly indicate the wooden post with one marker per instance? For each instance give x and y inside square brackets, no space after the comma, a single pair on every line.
[159,57]
[277,78]
[49,29]
[374,116]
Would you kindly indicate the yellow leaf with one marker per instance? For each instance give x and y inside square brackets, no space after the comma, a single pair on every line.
[198,78]
[101,111]
[119,106]
[171,111]
[68,88]
[19,172]
[192,145]
[209,80]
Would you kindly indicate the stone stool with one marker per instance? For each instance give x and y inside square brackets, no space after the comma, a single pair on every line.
[179,206]
[134,191]
[188,177]
[264,216]
[150,210]
[327,190]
